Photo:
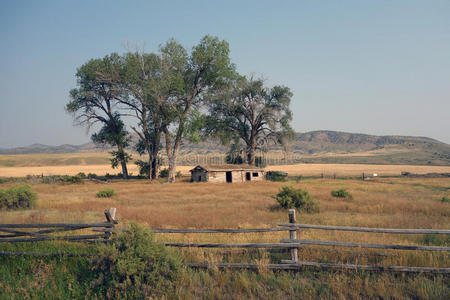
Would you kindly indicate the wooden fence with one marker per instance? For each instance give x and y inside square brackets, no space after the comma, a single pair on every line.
[16,233]
[292,244]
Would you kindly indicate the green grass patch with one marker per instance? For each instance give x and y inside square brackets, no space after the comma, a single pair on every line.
[341,193]
[106,193]
[19,196]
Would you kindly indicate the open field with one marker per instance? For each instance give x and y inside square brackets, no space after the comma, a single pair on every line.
[293,170]
[381,202]
[21,165]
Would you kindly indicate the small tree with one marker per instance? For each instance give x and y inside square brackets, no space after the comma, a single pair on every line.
[289,197]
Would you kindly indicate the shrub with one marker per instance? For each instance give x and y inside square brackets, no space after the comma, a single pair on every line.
[234,159]
[445,199]
[259,162]
[341,193]
[63,179]
[106,193]
[19,196]
[276,176]
[164,173]
[133,266]
[289,197]
[144,167]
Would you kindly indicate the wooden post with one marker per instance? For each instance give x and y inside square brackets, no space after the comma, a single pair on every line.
[293,234]
[111,218]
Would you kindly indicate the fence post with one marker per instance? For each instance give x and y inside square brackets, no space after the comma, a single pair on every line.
[110,218]
[293,234]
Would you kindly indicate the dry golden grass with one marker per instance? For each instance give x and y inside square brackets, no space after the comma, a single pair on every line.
[293,170]
[356,169]
[381,202]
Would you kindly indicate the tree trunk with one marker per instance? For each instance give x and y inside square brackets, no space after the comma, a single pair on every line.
[150,162]
[124,169]
[155,162]
[123,163]
[251,149]
[171,154]
[172,169]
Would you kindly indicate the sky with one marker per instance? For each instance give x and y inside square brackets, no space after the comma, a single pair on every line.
[375,67]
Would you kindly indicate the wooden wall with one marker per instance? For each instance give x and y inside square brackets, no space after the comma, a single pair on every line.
[220,176]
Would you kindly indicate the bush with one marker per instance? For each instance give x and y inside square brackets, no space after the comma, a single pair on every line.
[133,266]
[63,179]
[341,193]
[289,197]
[19,196]
[445,199]
[234,159]
[144,167]
[164,173]
[106,193]
[276,176]
[259,162]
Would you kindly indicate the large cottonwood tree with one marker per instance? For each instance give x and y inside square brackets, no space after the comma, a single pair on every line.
[253,113]
[183,81]
[95,101]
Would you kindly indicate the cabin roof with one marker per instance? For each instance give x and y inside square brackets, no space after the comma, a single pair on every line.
[215,168]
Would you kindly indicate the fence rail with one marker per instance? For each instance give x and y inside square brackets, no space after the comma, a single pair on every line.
[17,235]
[366,229]
[293,245]
[103,231]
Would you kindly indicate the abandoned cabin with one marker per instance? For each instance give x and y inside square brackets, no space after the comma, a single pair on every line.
[226,173]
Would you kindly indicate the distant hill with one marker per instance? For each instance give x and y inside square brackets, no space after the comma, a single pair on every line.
[321,146]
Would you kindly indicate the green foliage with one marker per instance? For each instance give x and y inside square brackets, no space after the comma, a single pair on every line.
[289,197]
[79,178]
[118,158]
[276,176]
[19,196]
[106,193]
[341,193]
[435,240]
[164,173]
[234,159]
[259,162]
[445,199]
[250,112]
[144,167]
[133,266]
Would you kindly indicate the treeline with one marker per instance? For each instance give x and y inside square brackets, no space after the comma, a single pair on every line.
[173,95]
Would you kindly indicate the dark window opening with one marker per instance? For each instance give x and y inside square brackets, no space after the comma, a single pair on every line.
[229,177]
[247,176]
[255,174]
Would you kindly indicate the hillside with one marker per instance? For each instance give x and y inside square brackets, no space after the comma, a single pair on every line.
[315,147]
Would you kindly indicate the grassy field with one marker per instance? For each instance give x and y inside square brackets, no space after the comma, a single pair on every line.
[21,165]
[381,202]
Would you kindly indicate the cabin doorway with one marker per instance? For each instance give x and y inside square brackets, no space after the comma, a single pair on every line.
[247,176]
[229,177]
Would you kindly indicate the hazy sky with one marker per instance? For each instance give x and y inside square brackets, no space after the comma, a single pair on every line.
[376,67]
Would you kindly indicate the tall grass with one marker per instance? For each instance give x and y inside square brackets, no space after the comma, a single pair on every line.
[381,202]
